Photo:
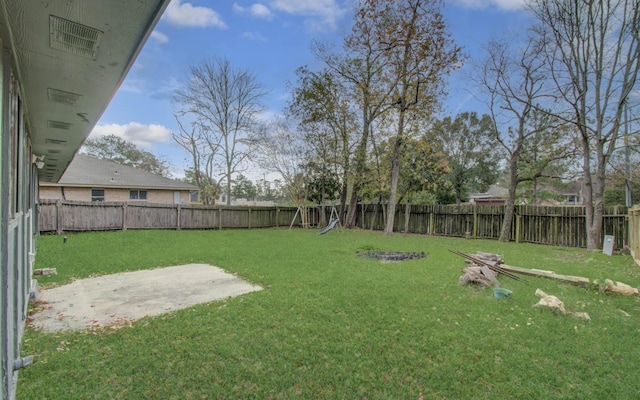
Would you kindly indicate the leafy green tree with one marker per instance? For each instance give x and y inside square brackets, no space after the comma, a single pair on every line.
[121,151]
[471,150]
[209,188]
[243,188]
[326,117]
[418,54]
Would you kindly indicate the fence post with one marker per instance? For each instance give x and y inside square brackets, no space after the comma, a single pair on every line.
[59,217]
[277,216]
[124,216]
[518,227]
[219,217]
[431,222]
[249,223]
[475,221]
[178,209]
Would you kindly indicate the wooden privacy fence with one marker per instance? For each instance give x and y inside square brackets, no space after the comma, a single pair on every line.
[634,233]
[62,215]
[562,226]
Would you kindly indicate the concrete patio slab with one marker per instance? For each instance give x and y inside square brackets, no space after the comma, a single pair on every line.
[113,299]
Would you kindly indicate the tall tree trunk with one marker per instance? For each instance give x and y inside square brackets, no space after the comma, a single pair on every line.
[228,186]
[350,221]
[359,170]
[391,209]
[395,172]
[343,200]
[507,221]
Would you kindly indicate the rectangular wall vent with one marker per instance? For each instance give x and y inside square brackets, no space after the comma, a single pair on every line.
[74,38]
[56,142]
[62,97]
[58,125]
[51,151]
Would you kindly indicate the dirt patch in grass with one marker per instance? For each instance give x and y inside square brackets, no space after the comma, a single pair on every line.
[116,299]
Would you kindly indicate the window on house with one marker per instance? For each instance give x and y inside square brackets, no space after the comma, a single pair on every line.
[97,195]
[138,195]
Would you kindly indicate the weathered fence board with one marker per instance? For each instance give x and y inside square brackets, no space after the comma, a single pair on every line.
[562,226]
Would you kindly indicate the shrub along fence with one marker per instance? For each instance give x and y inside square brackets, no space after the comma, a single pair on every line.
[562,226]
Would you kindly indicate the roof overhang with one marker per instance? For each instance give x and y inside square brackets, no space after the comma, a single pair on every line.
[70,57]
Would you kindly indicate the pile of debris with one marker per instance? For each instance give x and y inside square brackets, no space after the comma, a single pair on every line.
[482,270]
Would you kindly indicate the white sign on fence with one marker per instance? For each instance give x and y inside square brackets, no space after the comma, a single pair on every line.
[607,246]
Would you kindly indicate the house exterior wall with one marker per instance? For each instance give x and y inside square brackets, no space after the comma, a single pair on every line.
[111,194]
[50,192]
[18,183]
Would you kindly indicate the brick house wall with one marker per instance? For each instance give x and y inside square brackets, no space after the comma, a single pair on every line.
[110,194]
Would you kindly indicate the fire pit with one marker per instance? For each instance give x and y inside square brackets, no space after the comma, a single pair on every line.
[393,256]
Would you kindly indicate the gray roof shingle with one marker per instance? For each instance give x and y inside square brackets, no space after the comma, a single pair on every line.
[89,171]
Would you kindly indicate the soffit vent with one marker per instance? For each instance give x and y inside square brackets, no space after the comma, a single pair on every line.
[58,125]
[74,38]
[62,97]
[56,142]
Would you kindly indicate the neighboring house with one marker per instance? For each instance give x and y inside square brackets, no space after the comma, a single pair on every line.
[91,179]
[495,196]
[61,62]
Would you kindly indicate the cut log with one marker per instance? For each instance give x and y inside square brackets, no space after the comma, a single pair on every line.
[45,271]
[619,288]
[555,304]
[495,258]
[574,280]
[479,277]
[490,275]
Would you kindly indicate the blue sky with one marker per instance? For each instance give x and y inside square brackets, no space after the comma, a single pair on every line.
[272,38]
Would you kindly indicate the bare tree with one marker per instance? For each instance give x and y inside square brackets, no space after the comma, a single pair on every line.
[224,102]
[595,60]
[201,150]
[515,80]
[279,149]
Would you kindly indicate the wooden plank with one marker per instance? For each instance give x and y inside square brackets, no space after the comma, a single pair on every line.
[574,280]
[490,275]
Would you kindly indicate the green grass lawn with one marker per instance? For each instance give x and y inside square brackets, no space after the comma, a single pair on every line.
[330,324]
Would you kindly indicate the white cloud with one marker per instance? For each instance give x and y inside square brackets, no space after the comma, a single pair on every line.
[256,10]
[160,37]
[254,36]
[193,16]
[503,4]
[144,136]
[322,13]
